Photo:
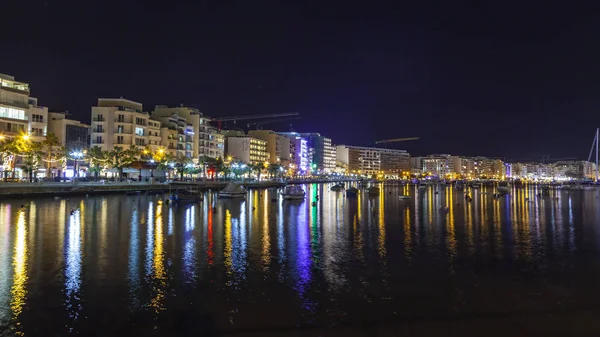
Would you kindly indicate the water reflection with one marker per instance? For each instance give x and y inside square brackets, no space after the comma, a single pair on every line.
[73,267]
[159,274]
[19,288]
[326,259]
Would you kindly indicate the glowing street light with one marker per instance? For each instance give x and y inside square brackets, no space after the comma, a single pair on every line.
[25,137]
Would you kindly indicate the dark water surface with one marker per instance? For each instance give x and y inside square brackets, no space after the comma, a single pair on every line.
[136,265]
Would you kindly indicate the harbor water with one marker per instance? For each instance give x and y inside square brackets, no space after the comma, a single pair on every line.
[136,265]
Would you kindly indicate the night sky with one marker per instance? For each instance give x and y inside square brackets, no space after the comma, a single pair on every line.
[507,79]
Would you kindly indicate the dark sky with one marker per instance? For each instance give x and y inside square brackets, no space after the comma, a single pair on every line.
[508,79]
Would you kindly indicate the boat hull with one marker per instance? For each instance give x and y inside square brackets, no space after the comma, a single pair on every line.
[225,195]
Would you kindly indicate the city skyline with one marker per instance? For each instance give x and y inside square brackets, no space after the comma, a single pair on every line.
[477,80]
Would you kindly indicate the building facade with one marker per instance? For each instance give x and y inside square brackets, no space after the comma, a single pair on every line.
[247,149]
[198,128]
[373,160]
[323,157]
[278,145]
[71,134]
[121,122]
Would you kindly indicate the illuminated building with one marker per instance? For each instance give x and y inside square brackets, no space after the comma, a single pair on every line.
[197,133]
[298,152]
[324,154]
[177,136]
[71,134]
[121,122]
[216,145]
[247,149]
[439,165]
[20,113]
[278,145]
[373,160]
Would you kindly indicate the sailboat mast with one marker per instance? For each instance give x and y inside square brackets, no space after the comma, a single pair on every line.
[597,133]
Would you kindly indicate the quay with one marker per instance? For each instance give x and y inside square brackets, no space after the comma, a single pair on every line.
[52,189]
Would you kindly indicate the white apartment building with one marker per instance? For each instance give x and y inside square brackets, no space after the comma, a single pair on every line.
[177,136]
[121,122]
[278,145]
[247,149]
[216,143]
[20,114]
[199,133]
[373,160]
[71,134]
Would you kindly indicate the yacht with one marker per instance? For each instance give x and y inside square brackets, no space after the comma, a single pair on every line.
[293,192]
[233,190]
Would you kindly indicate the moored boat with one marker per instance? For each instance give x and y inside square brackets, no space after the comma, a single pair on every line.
[293,192]
[351,191]
[233,190]
[337,187]
[373,190]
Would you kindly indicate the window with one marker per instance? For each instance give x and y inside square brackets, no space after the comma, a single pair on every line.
[12,113]
[140,142]
[120,118]
[37,131]
[99,118]
[99,140]
[119,139]
[139,131]
[37,118]
[120,129]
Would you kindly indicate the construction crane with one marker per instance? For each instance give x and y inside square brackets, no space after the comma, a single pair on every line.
[220,120]
[260,123]
[395,140]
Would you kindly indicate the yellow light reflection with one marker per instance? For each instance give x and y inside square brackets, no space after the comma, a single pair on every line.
[381,239]
[407,235]
[18,290]
[160,275]
[266,240]
[228,249]
[451,232]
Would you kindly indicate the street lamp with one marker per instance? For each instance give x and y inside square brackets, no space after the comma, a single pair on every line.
[77,155]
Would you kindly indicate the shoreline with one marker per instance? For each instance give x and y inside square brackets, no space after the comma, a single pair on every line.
[52,189]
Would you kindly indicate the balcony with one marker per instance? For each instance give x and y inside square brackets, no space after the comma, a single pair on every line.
[95,141]
[99,119]
[98,130]
[15,103]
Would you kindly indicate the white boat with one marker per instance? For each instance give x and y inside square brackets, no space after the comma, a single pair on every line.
[293,192]
[337,187]
[233,190]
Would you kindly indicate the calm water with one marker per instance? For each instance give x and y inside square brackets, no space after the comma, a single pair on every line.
[133,264]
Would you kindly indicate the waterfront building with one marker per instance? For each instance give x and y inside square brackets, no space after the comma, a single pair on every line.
[177,136]
[216,143]
[247,149]
[440,165]
[72,134]
[278,145]
[323,154]
[20,116]
[298,154]
[20,113]
[373,160]
[198,130]
[121,122]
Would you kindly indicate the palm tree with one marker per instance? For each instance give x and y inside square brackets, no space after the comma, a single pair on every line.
[166,164]
[121,158]
[182,164]
[49,144]
[98,159]
[8,150]
[205,161]
[31,152]
[274,169]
